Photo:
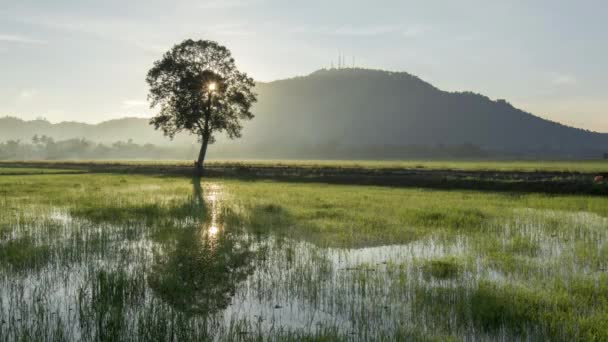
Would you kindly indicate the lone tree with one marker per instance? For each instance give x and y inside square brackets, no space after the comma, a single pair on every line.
[199,90]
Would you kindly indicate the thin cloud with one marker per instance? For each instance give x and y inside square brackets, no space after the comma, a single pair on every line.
[16,39]
[228,4]
[415,31]
[107,29]
[564,80]
[366,31]
[470,37]
[231,30]
[26,95]
[151,48]
[132,103]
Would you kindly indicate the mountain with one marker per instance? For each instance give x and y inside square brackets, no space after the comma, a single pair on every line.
[357,108]
[362,113]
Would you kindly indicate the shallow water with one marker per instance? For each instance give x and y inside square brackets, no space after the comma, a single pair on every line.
[192,277]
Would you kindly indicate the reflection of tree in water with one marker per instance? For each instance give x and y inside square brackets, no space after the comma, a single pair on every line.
[197,193]
[200,271]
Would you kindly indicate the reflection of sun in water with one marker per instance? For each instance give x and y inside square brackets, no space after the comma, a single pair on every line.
[213,195]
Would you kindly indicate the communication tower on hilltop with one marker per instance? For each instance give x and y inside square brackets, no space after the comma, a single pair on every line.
[341,64]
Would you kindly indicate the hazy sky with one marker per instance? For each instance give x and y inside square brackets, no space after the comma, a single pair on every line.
[86,60]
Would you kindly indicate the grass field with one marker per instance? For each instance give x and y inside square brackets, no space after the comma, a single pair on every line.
[522,177]
[143,257]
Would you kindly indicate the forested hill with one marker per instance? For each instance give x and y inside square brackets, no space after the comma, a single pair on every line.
[360,107]
[357,113]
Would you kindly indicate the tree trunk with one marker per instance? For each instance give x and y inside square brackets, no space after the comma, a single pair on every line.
[201,157]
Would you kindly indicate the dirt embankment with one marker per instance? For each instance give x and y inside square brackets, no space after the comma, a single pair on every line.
[520,181]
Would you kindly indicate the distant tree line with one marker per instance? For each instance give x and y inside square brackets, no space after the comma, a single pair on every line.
[42,147]
[46,148]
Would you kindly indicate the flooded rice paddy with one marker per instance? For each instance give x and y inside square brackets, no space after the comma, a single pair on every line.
[100,257]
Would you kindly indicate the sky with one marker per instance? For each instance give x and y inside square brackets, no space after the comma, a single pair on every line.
[85,60]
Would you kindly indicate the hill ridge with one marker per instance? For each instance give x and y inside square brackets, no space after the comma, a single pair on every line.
[353,108]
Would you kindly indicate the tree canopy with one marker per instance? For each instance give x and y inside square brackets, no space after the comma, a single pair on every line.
[199,89]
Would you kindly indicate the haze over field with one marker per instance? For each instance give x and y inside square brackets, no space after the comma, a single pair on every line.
[357,113]
[86,61]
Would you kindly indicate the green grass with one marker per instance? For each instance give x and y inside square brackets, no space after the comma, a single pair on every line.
[23,253]
[350,216]
[159,257]
[444,268]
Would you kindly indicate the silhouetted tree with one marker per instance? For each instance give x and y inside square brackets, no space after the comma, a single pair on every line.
[199,89]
